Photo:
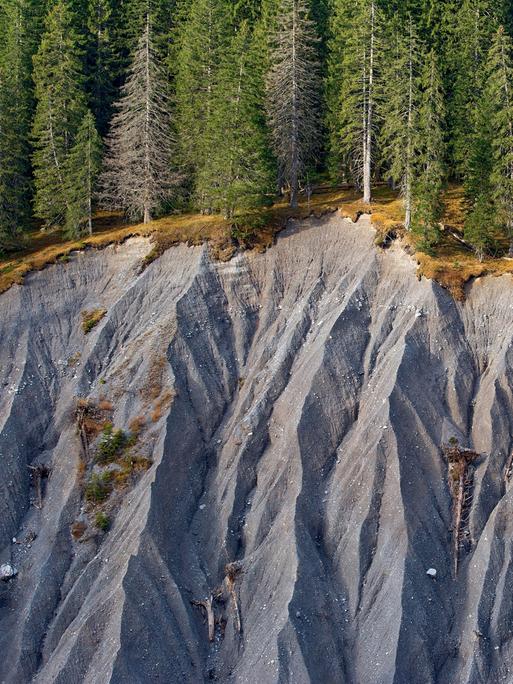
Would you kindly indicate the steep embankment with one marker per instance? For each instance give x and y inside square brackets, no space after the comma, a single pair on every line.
[294,405]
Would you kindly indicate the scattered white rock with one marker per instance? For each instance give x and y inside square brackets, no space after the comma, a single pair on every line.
[7,572]
[431,572]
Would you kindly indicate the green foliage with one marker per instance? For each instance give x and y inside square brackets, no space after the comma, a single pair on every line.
[103,58]
[400,112]
[246,226]
[15,119]
[102,521]
[99,487]
[499,96]
[480,225]
[203,40]
[354,68]
[112,444]
[81,178]
[60,107]
[489,166]
[473,28]
[235,171]
[427,205]
[225,81]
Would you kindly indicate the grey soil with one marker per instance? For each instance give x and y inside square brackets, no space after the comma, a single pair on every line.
[315,386]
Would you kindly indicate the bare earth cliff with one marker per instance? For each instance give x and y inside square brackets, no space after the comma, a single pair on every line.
[297,519]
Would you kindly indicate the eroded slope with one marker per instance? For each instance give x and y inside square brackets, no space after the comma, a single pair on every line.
[313,388]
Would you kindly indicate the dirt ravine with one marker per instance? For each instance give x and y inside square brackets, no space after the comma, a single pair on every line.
[295,406]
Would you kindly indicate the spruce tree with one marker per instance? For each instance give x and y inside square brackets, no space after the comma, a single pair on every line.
[480,211]
[203,41]
[15,120]
[236,171]
[60,108]
[499,94]
[162,14]
[82,171]
[246,11]
[427,204]
[103,64]
[138,176]
[353,78]
[400,110]
[474,25]
[293,98]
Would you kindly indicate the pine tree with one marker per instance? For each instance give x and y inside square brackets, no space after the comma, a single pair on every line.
[427,205]
[15,120]
[499,94]
[82,171]
[355,71]
[202,43]
[399,111]
[236,171]
[293,94]
[60,107]
[138,176]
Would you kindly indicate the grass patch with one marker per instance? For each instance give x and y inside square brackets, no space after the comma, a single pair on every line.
[78,529]
[113,444]
[90,319]
[102,521]
[162,404]
[452,264]
[99,487]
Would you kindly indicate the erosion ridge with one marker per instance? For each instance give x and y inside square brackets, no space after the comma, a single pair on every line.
[314,387]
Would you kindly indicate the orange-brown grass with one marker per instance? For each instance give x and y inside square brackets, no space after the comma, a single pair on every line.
[152,388]
[131,466]
[77,529]
[162,403]
[43,249]
[452,265]
[82,467]
[136,425]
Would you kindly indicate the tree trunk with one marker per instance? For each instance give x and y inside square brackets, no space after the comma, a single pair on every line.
[90,217]
[293,196]
[295,133]
[407,219]
[367,160]
[89,189]
[409,151]
[147,214]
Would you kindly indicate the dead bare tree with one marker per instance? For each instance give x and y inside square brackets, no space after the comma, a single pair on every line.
[461,480]
[293,94]
[138,175]
[208,607]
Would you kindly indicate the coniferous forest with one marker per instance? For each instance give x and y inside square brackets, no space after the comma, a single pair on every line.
[155,106]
